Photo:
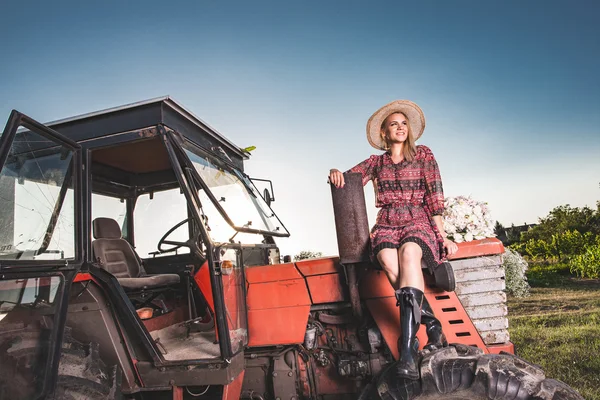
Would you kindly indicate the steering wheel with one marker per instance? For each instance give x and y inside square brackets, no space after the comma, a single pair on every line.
[176,245]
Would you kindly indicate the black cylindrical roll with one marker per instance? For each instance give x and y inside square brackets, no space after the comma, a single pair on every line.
[351,222]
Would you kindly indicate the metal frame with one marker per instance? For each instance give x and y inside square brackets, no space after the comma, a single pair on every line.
[213,199]
[15,120]
[212,256]
[244,287]
[60,317]
[138,118]
[163,119]
[271,194]
[32,268]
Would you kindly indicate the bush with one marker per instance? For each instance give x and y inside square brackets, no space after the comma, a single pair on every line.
[546,274]
[587,265]
[515,267]
[559,247]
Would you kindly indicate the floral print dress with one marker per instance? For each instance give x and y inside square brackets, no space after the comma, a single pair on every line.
[409,195]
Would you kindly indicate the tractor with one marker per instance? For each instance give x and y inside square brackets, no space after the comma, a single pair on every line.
[139,261]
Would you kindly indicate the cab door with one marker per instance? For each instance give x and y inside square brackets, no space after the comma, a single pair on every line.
[41,249]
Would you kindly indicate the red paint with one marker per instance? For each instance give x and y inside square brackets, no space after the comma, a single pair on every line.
[287,293]
[272,273]
[373,284]
[319,266]
[177,393]
[83,276]
[507,347]
[326,288]
[277,311]
[275,326]
[477,248]
[175,316]
[233,390]
[387,317]
[202,279]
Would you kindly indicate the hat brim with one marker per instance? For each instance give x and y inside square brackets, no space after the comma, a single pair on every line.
[413,112]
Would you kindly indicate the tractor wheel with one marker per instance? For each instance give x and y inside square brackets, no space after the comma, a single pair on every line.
[81,372]
[19,355]
[83,375]
[462,372]
[14,382]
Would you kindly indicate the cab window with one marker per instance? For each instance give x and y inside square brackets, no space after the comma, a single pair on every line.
[154,216]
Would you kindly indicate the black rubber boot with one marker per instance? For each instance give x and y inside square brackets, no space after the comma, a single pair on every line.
[443,274]
[435,337]
[409,299]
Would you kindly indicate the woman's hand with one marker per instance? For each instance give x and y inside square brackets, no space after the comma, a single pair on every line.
[450,246]
[336,178]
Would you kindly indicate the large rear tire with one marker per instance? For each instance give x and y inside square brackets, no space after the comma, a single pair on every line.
[465,373]
[83,375]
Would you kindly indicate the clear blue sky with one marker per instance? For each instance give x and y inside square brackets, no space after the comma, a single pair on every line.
[510,89]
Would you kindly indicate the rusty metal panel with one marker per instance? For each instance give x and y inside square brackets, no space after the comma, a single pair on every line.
[507,347]
[319,266]
[351,223]
[233,390]
[477,248]
[326,288]
[455,323]
[288,293]
[274,326]
[272,273]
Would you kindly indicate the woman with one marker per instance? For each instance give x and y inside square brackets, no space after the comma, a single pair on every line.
[409,231]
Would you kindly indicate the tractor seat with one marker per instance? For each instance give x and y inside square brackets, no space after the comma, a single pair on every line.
[116,255]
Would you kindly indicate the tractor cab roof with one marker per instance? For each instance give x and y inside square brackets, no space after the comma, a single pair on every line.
[141,120]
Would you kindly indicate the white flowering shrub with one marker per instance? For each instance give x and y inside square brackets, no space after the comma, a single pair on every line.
[466,219]
[515,268]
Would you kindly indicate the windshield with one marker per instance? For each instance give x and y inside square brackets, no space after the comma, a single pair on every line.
[37,212]
[235,194]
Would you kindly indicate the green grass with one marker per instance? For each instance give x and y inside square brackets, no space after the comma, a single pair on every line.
[548,275]
[558,328]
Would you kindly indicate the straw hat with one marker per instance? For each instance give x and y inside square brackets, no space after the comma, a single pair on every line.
[413,112]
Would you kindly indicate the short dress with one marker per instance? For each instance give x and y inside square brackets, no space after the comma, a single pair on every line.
[409,194]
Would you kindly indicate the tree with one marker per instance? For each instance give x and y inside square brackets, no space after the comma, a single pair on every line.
[500,233]
[563,219]
[513,234]
[306,254]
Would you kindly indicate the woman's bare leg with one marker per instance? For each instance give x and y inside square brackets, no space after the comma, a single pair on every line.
[403,266]
[409,256]
[388,259]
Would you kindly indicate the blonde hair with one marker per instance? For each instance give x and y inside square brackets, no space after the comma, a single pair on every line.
[409,150]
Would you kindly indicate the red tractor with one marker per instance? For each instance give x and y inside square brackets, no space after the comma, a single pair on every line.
[138,261]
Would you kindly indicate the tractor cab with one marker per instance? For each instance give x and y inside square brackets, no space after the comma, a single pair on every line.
[148,208]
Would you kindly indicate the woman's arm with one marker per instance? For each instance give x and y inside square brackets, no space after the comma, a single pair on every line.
[336,177]
[434,197]
[449,245]
[365,168]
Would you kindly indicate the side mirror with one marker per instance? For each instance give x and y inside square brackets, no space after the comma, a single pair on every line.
[267,195]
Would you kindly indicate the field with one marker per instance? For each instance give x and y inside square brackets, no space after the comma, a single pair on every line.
[558,328]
